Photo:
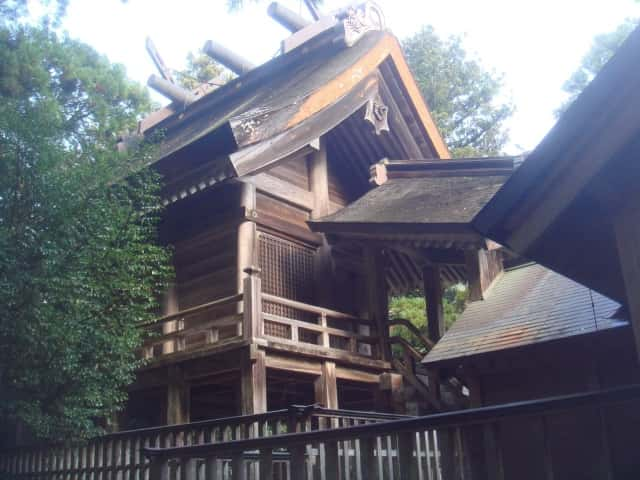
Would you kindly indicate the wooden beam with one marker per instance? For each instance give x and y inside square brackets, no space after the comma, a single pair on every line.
[169,307]
[432,287]
[627,232]
[392,385]
[253,382]
[178,396]
[319,180]
[483,268]
[272,186]
[247,236]
[326,387]
[377,300]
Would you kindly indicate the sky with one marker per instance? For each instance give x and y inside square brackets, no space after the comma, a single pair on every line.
[535,45]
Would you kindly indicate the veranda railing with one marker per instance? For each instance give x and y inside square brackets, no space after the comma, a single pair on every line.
[463,444]
[244,317]
[120,455]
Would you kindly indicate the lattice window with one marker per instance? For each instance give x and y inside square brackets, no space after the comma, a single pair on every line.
[341,343]
[275,329]
[287,271]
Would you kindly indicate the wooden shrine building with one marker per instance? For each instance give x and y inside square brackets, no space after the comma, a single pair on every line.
[265,312]
[305,191]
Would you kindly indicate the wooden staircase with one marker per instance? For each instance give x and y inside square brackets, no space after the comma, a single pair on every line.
[422,387]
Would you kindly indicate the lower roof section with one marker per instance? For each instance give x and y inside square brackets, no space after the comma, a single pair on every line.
[421,197]
[527,305]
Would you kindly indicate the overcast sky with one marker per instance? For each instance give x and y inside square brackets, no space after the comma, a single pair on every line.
[534,44]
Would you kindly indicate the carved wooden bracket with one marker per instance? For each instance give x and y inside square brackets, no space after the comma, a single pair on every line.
[360,19]
[377,114]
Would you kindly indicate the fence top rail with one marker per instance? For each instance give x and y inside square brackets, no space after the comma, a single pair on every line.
[440,420]
[311,308]
[360,414]
[295,412]
[198,308]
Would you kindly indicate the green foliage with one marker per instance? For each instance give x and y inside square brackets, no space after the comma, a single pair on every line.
[602,49]
[462,96]
[201,68]
[412,307]
[79,268]
[13,10]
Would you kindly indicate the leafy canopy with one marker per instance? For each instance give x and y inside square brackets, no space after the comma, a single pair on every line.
[79,268]
[201,68]
[602,49]
[462,97]
[413,306]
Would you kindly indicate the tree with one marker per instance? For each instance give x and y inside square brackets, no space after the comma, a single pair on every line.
[79,267]
[602,49]
[201,68]
[412,307]
[462,96]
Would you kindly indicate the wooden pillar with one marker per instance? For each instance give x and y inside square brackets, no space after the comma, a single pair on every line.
[326,386]
[247,239]
[627,232]
[169,307]
[253,382]
[319,185]
[392,385]
[178,396]
[252,305]
[432,287]
[483,267]
[377,299]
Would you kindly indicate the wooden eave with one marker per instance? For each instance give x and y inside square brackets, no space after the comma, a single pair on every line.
[561,189]
[256,120]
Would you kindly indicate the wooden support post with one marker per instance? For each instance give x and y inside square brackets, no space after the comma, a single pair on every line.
[408,465]
[432,287]
[213,469]
[178,396]
[266,464]
[252,320]
[377,297]
[247,239]
[169,307]
[627,231]
[158,469]
[483,267]
[188,469]
[253,382]
[238,467]
[392,385]
[368,461]
[326,388]
[493,451]
[332,461]
[319,186]
[319,180]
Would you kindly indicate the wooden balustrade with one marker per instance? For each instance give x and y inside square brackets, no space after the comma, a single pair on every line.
[464,444]
[212,323]
[331,330]
[120,455]
[218,323]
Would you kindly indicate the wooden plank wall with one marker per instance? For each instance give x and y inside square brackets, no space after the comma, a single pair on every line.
[206,267]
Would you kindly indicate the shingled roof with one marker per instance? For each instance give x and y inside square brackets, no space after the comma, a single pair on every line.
[285,105]
[529,304]
[421,197]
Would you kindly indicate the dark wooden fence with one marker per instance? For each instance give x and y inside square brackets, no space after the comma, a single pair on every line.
[457,445]
[120,455]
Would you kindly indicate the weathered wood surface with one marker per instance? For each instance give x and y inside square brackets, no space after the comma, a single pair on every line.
[120,455]
[445,446]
